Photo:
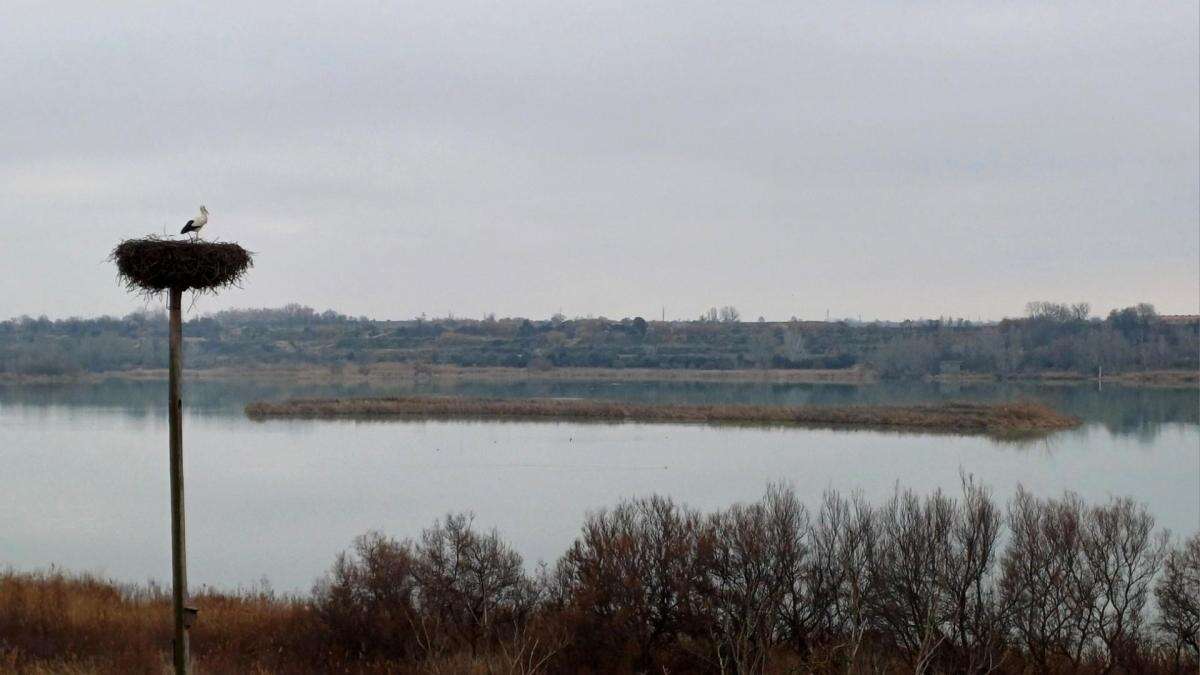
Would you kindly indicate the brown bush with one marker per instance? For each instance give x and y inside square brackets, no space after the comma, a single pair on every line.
[1123,556]
[919,584]
[366,605]
[751,556]
[827,614]
[471,588]
[1045,580]
[629,583]
[1178,595]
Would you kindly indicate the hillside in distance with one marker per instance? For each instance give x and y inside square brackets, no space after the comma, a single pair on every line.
[1051,338]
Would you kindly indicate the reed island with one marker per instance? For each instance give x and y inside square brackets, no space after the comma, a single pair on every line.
[1003,419]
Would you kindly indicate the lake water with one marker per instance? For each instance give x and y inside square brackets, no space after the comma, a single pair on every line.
[83,468]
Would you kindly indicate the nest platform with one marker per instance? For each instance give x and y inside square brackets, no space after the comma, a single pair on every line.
[153,264]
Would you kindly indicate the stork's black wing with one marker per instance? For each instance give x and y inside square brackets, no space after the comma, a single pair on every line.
[187,228]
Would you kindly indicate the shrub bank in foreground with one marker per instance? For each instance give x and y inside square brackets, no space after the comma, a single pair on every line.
[968,418]
[935,584]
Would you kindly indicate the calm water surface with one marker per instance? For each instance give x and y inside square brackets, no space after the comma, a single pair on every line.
[83,468]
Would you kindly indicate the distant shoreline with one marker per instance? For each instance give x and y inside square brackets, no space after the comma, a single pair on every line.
[392,372]
[997,420]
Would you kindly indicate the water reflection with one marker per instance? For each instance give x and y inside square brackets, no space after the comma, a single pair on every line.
[1138,413]
[83,467]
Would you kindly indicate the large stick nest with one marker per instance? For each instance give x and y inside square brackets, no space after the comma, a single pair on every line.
[152,265]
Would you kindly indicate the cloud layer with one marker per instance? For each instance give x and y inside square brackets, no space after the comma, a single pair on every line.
[884,159]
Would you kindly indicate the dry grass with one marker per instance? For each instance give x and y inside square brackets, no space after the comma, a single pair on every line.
[771,375]
[152,264]
[78,624]
[967,418]
[1159,378]
[58,623]
[67,624]
[1146,378]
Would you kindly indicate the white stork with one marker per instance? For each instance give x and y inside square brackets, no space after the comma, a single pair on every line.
[196,223]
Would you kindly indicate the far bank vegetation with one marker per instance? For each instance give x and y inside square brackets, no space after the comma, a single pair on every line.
[1052,339]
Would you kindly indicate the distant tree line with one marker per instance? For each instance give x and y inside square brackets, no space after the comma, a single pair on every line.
[1051,337]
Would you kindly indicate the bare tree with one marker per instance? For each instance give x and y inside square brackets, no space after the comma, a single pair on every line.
[760,587]
[1178,595]
[1123,554]
[1046,581]
[752,549]
[366,603]
[467,583]
[908,573]
[632,576]
[977,615]
[812,575]
[834,609]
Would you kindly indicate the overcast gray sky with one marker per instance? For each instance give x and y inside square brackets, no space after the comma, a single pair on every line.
[890,159]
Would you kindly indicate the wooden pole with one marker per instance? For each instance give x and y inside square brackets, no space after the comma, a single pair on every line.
[175,424]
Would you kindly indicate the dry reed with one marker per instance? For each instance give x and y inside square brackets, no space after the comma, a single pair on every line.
[966,418]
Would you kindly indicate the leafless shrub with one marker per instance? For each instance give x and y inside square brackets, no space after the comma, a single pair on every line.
[977,615]
[651,586]
[453,590]
[531,646]
[1078,579]
[931,575]
[366,603]
[468,586]
[855,551]
[907,573]
[826,603]
[1123,554]
[1178,595]
[630,579]
[751,556]
[1046,580]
